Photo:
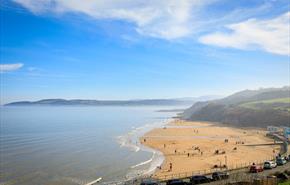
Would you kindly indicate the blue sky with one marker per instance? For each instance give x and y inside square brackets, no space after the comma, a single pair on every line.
[128,49]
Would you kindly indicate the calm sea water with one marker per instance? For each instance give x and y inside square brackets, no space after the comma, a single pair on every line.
[76,145]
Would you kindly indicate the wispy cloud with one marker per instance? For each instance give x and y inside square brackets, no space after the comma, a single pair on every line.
[270,35]
[167,19]
[10,67]
[171,19]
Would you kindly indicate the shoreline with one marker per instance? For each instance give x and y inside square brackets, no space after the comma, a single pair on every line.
[190,146]
[131,140]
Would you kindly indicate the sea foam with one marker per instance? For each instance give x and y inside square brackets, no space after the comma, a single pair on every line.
[131,141]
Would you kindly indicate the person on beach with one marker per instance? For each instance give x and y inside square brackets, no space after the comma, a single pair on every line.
[170,166]
[187,154]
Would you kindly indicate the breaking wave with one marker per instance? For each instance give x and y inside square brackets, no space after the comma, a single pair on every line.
[131,141]
[144,162]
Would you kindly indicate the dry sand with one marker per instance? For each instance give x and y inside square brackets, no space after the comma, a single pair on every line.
[178,140]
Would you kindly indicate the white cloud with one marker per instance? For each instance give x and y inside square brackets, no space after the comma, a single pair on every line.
[269,35]
[167,19]
[10,67]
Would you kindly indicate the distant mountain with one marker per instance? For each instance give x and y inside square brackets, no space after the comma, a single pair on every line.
[201,98]
[263,107]
[161,102]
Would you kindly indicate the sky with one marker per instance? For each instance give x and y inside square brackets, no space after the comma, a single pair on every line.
[136,49]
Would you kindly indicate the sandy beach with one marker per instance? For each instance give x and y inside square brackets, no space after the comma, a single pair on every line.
[198,146]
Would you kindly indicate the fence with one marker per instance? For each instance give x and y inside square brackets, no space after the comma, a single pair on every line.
[237,174]
[247,179]
[229,168]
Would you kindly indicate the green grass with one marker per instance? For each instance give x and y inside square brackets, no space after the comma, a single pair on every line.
[252,105]
[285,183]
[279,100]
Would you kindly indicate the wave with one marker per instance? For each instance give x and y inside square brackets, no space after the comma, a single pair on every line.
[125,141]
[144,162]
[131,141]
[138,172]
[155,163]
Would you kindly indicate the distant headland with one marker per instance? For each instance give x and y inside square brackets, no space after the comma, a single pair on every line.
[140,102]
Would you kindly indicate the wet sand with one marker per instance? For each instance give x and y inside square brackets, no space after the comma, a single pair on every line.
[199,146]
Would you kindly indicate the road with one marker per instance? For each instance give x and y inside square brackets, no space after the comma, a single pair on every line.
[244,175]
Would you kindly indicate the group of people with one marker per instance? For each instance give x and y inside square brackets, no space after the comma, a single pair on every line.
[219,152]
[240,142]
[170,167]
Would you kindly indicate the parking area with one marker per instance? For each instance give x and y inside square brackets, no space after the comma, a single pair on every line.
[241,175]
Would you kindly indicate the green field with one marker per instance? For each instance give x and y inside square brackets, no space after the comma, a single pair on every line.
[284,104]
[285,183]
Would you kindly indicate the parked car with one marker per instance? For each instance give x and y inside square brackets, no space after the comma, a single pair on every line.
[256,169]
[270,164]
[220,175]
[199,179]
[281,161]
[176,182]
[149,182]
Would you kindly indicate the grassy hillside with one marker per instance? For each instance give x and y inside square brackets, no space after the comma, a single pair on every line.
[258,108]
[278,103]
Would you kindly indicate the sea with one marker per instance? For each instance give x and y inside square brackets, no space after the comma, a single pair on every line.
[74,145]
